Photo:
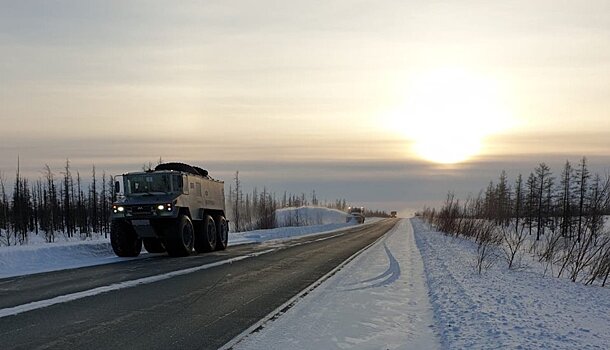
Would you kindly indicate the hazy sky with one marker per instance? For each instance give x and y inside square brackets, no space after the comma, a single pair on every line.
[356,99]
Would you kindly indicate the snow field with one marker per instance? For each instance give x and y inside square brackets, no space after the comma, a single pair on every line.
[377,301]
[507,309]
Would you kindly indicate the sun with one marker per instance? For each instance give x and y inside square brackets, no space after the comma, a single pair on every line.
[448,113]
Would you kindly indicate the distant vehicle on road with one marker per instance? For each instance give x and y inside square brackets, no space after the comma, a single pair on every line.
[393,214]
[355,214]
[175,208]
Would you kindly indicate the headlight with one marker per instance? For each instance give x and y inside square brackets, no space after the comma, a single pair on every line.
[164,207]
[120,209]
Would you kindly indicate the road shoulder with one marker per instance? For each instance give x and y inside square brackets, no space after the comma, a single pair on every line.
[378,300]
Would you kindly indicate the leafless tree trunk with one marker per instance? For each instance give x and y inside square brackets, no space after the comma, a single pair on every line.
[237,202]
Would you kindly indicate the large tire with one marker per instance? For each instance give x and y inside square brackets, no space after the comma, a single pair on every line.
[206,237]
[124,240]
[179,237]
[153,245]
[222,233]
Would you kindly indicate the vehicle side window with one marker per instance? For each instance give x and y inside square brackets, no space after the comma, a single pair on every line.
[185,179]
[177,183]
[198,190]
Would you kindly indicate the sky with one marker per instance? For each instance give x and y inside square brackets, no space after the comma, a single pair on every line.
[388,104]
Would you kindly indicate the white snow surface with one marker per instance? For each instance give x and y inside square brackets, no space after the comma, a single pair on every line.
[418,289]
[413,289]
[39,256]
[377,301]
[309,215]
[504,309]
[29,259]
[282,233]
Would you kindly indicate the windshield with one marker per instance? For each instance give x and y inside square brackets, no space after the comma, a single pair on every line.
[152,184]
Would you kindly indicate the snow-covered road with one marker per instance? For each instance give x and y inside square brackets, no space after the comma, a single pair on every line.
[377,301]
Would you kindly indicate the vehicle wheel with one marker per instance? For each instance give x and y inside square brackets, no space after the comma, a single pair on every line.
[206,237]
[124,240]
[179,239]
[222,233]
[153,245]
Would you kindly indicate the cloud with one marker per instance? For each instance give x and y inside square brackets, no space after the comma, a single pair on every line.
[291,93]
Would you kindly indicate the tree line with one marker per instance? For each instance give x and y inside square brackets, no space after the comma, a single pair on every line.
[559,220]
[62,204]
[55,204]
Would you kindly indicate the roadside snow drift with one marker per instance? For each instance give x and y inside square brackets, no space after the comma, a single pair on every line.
[305,216]
[25,260]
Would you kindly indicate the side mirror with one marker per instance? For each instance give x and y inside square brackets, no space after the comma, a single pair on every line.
[117,187]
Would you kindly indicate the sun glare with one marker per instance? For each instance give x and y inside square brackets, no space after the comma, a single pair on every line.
[448,113]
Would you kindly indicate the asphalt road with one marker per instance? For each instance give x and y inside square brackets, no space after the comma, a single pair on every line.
[203,308]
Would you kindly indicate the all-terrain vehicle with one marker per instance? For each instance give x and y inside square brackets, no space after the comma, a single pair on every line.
[176,208]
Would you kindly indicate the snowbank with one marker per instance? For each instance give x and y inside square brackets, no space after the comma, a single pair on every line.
[305,216]
[29,259]
[507,309]
[281,233]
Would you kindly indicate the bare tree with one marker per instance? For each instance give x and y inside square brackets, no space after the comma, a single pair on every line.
[581,181]
[4,212]
[545,182]
[68,190]
[93,203]
[487,240]
[514,237]
[502,192]
[566,225]
[237,202]
[530,201]
[104,207]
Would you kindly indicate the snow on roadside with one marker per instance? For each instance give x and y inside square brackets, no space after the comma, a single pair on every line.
[507,309]
[259,236]
[29,259]
[308,215]
[377,301]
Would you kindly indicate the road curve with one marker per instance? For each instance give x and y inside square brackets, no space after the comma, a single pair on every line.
[199,302]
